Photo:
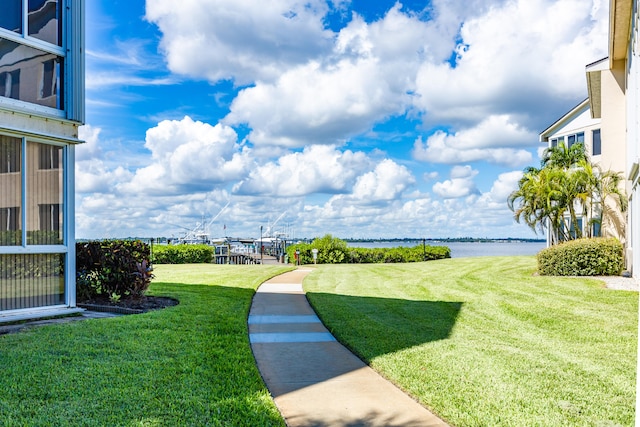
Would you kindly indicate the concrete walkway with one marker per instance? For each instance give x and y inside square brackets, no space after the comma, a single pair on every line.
[314,380]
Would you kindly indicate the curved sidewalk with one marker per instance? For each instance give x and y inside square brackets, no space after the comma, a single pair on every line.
[314,380]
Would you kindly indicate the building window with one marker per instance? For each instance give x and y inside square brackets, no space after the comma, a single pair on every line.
[10,191]
[596,142]
[49,157]
[577,138]
[10,229]
[49,81]
[11,16]
[10,158]
[50,217]
[45,219]
[42,207]
[569,228]
[31,280]
[29,74]
[9,219]
[10,84]
[44,21]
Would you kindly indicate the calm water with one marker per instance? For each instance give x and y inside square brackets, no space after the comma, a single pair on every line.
[467,249]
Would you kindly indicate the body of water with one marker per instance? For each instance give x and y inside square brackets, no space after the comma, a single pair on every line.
[466,249]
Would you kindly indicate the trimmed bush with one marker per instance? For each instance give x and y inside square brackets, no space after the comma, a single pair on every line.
[399,254]
[182,254]
[335,251]
[582,257]
[306,256]
[112,269]
[331,250]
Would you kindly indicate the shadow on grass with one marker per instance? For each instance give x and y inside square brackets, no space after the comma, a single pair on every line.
[318,382]
[378,326]
[190,364]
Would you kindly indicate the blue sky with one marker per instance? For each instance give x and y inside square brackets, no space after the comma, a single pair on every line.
[366,119]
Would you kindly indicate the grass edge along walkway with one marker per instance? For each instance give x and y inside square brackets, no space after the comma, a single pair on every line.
[186,365]
[482,341]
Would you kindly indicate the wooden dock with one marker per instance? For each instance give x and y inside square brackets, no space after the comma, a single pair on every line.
[238,259]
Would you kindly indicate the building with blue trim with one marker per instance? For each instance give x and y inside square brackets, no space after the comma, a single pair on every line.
[41,109]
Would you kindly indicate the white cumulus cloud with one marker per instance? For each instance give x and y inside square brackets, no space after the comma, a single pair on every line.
[496,139]
[244,41]
[461,183]
[188,154]
[317,169]
[515,57]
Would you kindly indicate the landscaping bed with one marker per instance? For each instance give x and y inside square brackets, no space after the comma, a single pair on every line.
[129,305]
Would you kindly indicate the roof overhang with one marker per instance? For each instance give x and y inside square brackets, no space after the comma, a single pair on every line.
[620,12]
[573,113]
[594,86]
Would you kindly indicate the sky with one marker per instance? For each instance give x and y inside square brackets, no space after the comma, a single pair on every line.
[356,118]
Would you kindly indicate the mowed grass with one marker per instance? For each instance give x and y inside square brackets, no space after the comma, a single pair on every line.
[188,365]
[484,342]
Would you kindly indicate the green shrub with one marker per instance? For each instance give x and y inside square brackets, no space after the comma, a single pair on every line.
[182,254]
[582,257]
[306,256]
[331,250]
[335,251]
[112,268]
[399,254]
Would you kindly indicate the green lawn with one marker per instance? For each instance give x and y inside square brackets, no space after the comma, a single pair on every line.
[188,365]
[484,342]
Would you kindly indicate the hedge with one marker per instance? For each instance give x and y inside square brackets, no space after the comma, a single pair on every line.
[182,254]
[582,257]
[335,251]
[399,254]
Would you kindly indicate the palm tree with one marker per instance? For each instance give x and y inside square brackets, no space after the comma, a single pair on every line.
[564,157]
[610,201]
[540,200]
[528,200]
[568,184]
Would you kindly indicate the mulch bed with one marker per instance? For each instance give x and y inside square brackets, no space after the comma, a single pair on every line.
[129,305]
[125,306]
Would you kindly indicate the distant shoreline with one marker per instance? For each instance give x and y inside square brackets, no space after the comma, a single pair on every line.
[450,239]
[461,248]
[364,240]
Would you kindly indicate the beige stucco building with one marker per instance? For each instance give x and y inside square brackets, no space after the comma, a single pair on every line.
[611,116]
[581,126]
[614,85]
